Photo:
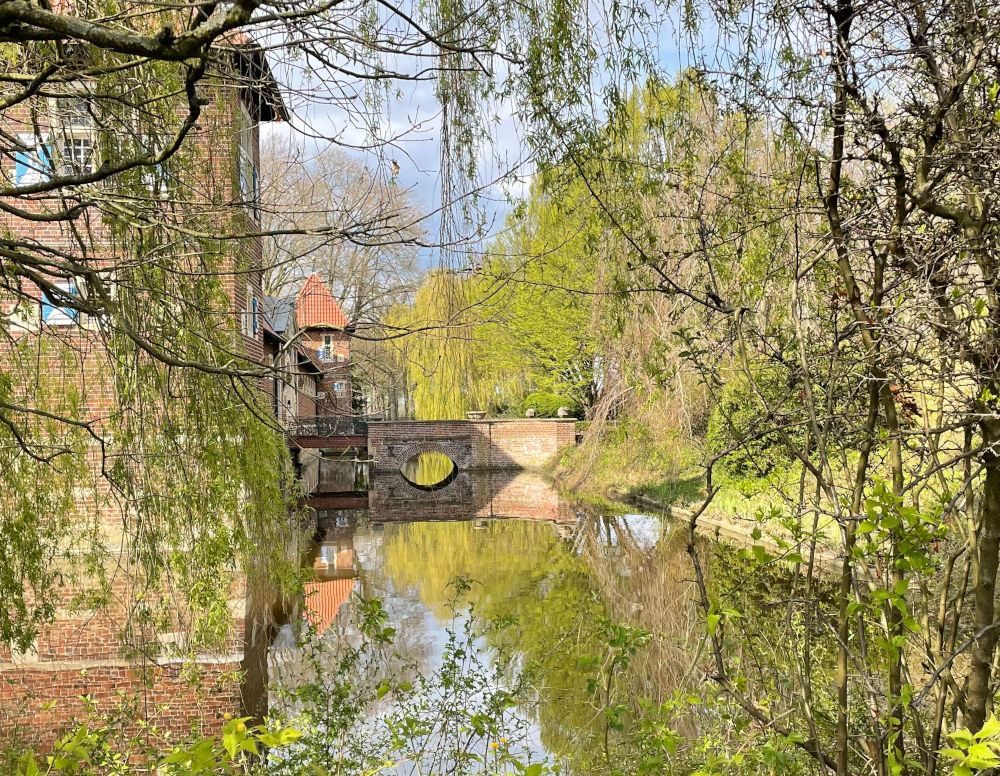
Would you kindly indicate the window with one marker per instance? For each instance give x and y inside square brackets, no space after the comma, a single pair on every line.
[155,177]
[326,352]
[55,315]
[339,387]
[73,127]
[77,156]
[251,314]
[74,112]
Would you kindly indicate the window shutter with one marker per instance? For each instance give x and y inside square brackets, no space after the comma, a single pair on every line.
[33,165]
[256,193]
[22,161]
[56,315]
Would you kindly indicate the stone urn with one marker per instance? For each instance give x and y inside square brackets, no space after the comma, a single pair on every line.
[475,414]
[530,412]
[562,412]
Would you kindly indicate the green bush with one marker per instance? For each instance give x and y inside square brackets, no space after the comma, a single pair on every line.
[546,405]
[738,417]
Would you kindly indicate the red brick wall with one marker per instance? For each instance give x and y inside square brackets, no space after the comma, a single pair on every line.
[336,369]
[40,703]
[471,444]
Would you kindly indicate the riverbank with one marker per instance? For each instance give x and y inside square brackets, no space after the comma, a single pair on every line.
[630,467]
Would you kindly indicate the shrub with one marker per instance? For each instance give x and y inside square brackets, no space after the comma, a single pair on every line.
[738,417]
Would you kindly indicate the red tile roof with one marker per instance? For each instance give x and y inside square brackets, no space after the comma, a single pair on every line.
[324,599]
[315,306]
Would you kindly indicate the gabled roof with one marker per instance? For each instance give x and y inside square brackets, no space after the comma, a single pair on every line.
[315,306]
[324,599]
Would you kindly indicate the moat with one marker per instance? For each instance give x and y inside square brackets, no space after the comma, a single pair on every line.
[528,588]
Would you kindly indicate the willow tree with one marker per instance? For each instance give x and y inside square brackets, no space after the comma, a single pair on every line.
[439,350]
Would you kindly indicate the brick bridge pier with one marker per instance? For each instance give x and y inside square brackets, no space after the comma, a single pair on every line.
[471,444]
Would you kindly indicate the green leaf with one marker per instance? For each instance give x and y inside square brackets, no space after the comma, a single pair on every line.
[990,729]
[230,744]
[981,756]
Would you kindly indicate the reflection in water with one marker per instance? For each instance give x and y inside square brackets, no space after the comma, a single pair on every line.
[546,590]
[429,471]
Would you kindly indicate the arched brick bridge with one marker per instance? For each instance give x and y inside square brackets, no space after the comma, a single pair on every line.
[471,444]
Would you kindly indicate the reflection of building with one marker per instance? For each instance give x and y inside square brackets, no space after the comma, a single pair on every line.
[470,495]
[333,566]
[335,557]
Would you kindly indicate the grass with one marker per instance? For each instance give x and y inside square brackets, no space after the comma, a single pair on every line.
[632,463]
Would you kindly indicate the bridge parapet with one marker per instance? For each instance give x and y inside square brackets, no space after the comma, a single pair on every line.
[329,426]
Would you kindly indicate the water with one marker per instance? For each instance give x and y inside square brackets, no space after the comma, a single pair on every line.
[547,580]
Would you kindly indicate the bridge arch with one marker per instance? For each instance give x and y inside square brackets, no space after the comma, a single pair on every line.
[461,453]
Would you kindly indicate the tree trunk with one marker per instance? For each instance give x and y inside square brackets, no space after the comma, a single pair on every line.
[987,555]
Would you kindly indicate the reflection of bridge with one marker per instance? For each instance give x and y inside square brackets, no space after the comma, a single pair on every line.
[471,444]
[471,496]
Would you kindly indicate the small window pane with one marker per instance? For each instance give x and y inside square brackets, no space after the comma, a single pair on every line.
[75,112]
[77,153]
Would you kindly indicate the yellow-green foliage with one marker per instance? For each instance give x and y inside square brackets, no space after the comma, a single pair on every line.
[440,353]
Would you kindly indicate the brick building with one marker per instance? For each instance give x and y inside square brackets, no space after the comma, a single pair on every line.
[313,325]
[102,649]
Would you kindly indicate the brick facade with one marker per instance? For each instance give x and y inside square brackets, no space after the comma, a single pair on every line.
[101,652]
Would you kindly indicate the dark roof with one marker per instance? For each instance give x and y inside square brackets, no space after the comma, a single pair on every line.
[278,312]
[308,356]
[263,94]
